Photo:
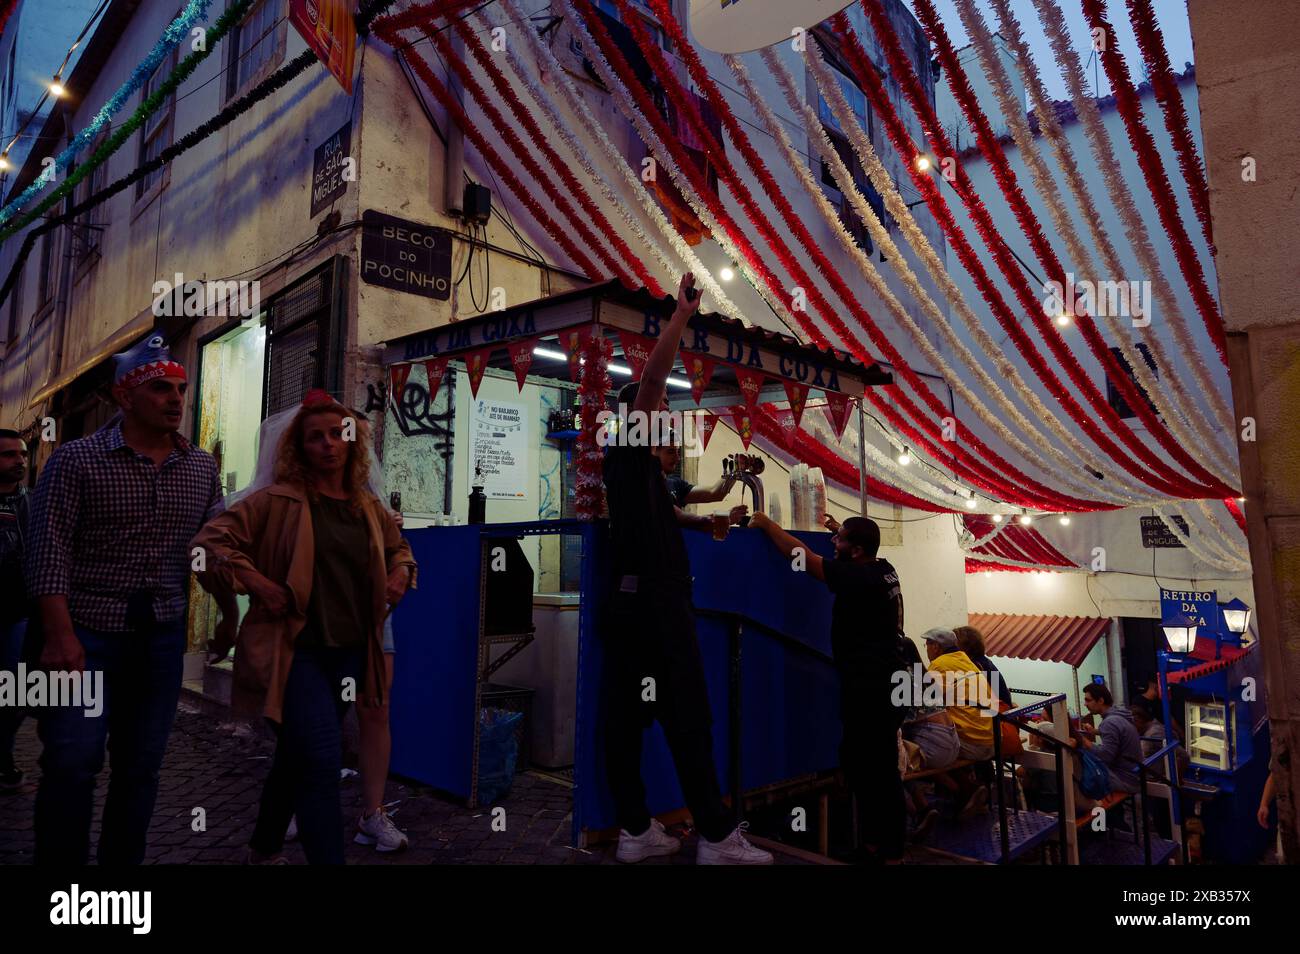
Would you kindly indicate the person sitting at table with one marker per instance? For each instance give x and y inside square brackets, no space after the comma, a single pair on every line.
[971,641]
[971,705]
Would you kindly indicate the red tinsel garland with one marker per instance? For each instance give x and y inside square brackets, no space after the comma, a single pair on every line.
[903,73]
[980,566]
[991,149]
[593,385]
[6,10]
[1163,83]
[416,15]
[1235,510]
[525,196]
[575,188]
[688,108]
[1130,110]
[520,152]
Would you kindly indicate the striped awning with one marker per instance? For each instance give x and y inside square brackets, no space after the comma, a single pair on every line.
[1066,639]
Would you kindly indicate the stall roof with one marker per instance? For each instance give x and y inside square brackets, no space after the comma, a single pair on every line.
[1066,639]
[616,307]
[1205,650]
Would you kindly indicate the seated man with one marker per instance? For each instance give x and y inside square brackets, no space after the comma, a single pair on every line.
[1116,742]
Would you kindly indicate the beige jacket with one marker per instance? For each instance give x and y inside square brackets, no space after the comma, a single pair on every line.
[270,531]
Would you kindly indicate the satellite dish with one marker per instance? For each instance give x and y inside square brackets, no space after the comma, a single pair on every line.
[738,26]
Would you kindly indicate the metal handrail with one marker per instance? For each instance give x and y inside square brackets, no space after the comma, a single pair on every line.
[1143,766]
[1012,715]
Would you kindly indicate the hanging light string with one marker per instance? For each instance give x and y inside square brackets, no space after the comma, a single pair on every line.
[176,31]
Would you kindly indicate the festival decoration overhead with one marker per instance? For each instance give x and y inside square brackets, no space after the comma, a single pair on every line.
[738,26]
[476,365]
[435,368]
[397,376]
[521,359]
[595,384]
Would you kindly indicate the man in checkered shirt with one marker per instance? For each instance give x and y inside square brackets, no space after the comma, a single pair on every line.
[108,566]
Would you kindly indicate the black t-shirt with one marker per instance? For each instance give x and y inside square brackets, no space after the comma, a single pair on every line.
[642,523]
[679,488]
[13,529]
[866,620]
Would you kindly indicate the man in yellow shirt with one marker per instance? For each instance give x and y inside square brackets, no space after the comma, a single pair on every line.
[965,692]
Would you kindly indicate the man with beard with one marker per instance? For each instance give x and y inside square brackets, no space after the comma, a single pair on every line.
[867,643]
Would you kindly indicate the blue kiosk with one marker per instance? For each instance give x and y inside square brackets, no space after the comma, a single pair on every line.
[764,631]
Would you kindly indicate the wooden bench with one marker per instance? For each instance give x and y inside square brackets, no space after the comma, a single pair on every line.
[1107,803]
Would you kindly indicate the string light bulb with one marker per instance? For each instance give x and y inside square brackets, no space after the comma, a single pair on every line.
[727,272]
[4,161]
[1026,520]
[904,457]
[997,518]
[970,502]
[1064,519]
[1063,319]
[56,87]
[923,163]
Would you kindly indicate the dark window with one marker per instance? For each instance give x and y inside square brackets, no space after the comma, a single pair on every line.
[255,45]
[88,228]
[15,309]
[1113,394]
[157,132]
[304,339]
[48,277]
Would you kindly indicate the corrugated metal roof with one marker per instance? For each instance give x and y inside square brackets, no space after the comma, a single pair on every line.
[1066,639]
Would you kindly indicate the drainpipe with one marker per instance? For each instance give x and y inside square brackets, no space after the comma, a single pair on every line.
[1113,663]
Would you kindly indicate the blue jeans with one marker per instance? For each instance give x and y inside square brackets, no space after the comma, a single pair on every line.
[141,685]
[11,652]
[304,777]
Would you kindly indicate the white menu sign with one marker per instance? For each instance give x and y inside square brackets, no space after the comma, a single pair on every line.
[500,448]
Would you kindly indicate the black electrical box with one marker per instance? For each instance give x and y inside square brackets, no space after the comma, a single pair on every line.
[477,204]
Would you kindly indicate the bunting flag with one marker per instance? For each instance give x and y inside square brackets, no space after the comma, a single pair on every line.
[435,368]
[837,412]
[751,383]
[699,369]
[521,359]
[787,427]
[797,395]
[743,420]
[573,340]
[704,424]
[476,363]
[397,376]
[636,351]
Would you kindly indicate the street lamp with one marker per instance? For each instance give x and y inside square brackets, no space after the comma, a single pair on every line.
[1236,616]
[1180,633]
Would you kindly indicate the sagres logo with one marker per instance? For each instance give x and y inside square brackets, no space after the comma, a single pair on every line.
[95,908]
[39,688]
[1104,299]
[191,299]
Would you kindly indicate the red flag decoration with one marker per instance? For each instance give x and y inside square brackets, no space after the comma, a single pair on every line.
[435,368]
[751,382]
[744,421]
[797,395]
[784,419]
[705,423]
[521,359]
[699,369]
[636,351]
[572,340]
[837,412]
[397,376]
[476,362]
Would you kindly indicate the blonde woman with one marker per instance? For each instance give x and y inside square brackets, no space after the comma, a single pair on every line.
[321,559]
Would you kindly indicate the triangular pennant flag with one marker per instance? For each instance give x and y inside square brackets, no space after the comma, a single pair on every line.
[572,341]
[704,424]
[476,363]
[636,351]
[751,382]
[797,394]
[397,376]
[521,359]
[744,421]
[837,412]
[435,368]
[784,419]
[699,369]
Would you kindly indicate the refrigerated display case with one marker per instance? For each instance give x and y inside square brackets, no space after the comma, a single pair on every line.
[1211,734]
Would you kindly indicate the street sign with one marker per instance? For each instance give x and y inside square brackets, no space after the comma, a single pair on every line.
[405,256]
[328,167]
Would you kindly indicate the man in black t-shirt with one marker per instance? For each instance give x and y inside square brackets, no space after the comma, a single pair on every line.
[653,666]
[683,491]
[866,642]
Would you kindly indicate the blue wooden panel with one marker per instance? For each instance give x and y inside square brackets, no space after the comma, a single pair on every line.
[434,674]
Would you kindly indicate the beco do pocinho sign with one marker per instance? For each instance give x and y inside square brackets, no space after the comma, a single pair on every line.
[405,256]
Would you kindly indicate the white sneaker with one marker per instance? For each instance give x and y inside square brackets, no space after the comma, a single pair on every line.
[732,850]
[378,830]
[651,843]
[291,833]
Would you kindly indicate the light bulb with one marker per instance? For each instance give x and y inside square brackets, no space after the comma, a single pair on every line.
[1065,520]
[923,162]
[904,457]
[1063,319]
[56,88]
[970,503]
[997,518]
[1026,520]
[727,272]
[4,162]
